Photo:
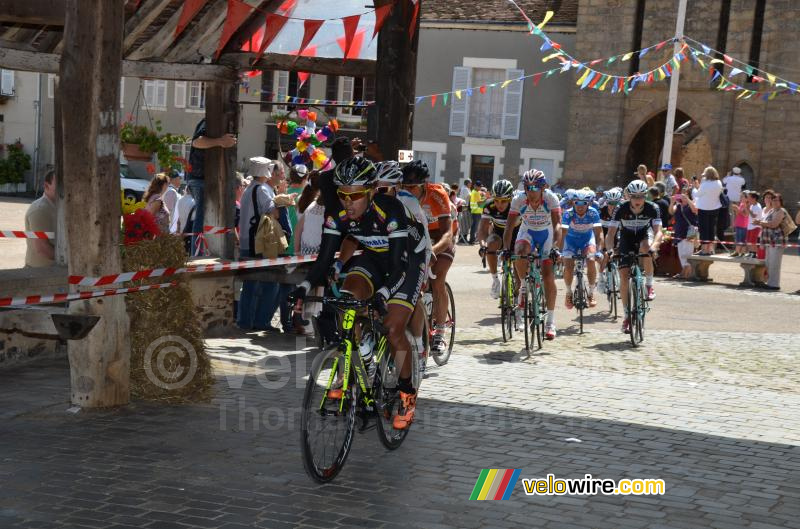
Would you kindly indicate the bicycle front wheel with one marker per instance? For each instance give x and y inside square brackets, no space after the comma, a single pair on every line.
[579,298]
[450,328]
[541,313]
[639,327]
[387,403]
[507,307]
[634,299]
[328,421]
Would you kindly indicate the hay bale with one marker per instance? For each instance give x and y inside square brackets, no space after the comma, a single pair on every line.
[168,358]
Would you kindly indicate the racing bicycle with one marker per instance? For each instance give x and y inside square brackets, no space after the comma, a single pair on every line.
[507,305]
[637,297]
[580,296]
[448,327]
[533,304]
[612,287]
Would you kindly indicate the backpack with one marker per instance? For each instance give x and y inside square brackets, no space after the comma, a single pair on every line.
[267,238]
[787,224]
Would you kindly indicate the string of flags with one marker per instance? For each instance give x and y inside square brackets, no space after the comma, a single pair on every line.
[272,97]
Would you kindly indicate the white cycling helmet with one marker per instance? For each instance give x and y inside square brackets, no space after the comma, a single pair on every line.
[570,194]
[584,194]
[613,195]
[389,172]
[534,177]
[637,187]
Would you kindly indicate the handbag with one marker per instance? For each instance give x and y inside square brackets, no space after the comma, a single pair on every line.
[724,200]
[787,224]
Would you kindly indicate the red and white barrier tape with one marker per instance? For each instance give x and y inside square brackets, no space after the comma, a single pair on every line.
[165,272]
[62,298]
[15,234]
[734,243]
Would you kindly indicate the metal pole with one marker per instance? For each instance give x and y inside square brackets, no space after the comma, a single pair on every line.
[672,102]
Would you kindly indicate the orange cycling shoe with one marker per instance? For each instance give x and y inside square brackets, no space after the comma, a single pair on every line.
[405,416]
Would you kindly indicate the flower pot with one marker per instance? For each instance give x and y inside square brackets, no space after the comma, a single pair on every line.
[133,152]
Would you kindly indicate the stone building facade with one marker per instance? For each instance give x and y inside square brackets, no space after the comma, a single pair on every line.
[609,135]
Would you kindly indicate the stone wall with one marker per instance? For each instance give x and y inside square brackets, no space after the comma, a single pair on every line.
[763,134]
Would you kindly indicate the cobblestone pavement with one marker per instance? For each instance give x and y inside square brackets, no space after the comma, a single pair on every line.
[712,407]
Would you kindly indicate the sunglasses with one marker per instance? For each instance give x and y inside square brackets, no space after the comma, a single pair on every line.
[580,203]
[354,196]
[501,200]
[613,203]
[384,189]
[533,188]
[637,195]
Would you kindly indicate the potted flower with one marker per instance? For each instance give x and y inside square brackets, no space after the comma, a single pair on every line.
[140,143]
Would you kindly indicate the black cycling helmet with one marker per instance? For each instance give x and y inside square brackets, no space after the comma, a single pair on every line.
[356,171]
[416,172]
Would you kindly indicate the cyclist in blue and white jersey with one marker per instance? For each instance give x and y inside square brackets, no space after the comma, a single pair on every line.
[540,228]
[583,234]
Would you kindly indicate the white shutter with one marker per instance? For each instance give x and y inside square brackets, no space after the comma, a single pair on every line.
[121,92]
[150,93]
[459,108]
[51,85]
[281,88]
[180,94]
[348,86]
[161,94]
[7,82]
[512,106]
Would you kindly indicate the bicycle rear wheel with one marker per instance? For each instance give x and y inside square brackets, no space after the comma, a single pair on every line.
[450,330]
[528,319]
[639,327]
[578,299]
[327,424]
[634,299]
[387,403]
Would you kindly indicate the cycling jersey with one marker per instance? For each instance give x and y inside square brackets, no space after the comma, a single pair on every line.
[629,222]
[538,218]
[606,218]
[390,236]
[580,228]
[435,204]
[497,217]
[413,206]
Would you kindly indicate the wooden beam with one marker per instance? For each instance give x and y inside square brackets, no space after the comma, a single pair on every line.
[140,21]
[187,47]
[319,65]
[48,63]
[157,44]
[36,12]
[90,76]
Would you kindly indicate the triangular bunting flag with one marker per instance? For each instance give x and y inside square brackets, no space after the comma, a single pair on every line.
[565,66]
[582,78]
[715,75]
[595,62]
[702,64]
[627,56]
[551,56]
[773,96]
[274,24]
[793,87]
[505,83]
[735,71]
[444,99]
[237,13]
[310,28]
[748,69]
[547,17]
[546,45]
[469,92]
[650,78]
[660,45]
[482,89]
[706,49]
[190,9]
[595,81]
[771,78]
[380,17]
[579,67]
[357,44]
[605,82]
[588,79]
[716,61]
[458,93]
[728,60]
[302,77]
[757,79]
[551,72]
[350,25]
[744,93]
[433,100]
[417,100]
[611,59]
[536,78]
[643,52]
[614,86]
[414,15]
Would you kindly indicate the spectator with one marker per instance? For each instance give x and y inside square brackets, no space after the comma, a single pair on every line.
[196,178]
[307,240]
[241,185]
[41,216]
[465,190]
[298,179]
[657,197]
[774,240]
[277,293]
[740,222]
[733,186]
[183,218]
[708,204]
[476,209]
[257,200]
[171,196]
[685,230]
[641,174]
[155,203]
[695,187]
[681,179]
[465,216]
[754,213]
[669,179]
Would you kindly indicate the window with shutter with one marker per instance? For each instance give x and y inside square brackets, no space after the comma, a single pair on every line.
[180,94]
[281,88]
[267,78]
[485,116]
[121,92]
[459,106]
[197,95]
[150,93]
[331,92]
[161,94]
[7,82]
[348,86]
[51,85]
[512,106]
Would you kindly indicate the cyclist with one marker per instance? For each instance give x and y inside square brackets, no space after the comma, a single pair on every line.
[493,223]
[436,205]
[389,176]
[540,227]
[390,270]
[566,200]
[633,218]
[584,235]
[611,200]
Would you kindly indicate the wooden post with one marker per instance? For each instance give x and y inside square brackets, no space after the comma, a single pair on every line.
[58,149]
[91,64]
[222,117]
[396,80]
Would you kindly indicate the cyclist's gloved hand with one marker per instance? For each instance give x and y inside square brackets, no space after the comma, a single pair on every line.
[379,302]
[335,270]
[599,255]
[555,255]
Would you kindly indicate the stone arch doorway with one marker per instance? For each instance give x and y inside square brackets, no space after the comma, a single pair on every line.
[690,146]
[747,174]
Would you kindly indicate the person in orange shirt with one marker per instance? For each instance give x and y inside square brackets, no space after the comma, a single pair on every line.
[436,205]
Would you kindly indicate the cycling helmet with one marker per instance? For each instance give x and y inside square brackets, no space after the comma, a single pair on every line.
[416,172]
[613,195]
[356,171]
[389,171]
[570,194]
[637,187]
[534,177]
[502,189]
[586,195]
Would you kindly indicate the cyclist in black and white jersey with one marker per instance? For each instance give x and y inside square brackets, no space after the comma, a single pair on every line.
[633,218]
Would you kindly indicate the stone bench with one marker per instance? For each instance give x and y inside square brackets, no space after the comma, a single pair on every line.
[754,269]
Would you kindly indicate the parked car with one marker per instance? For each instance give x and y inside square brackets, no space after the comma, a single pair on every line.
[131,185]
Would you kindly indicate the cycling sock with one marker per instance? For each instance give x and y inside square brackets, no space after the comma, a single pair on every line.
[418,343]
[404,385]
[591,288]
[551,317]
[648,281]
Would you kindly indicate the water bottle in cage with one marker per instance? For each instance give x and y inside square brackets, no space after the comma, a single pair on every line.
[427,300]
[366,349]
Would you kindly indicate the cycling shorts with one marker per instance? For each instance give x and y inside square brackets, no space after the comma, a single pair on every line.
[372,268]
[575,246]
[630,242]
[541,239]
